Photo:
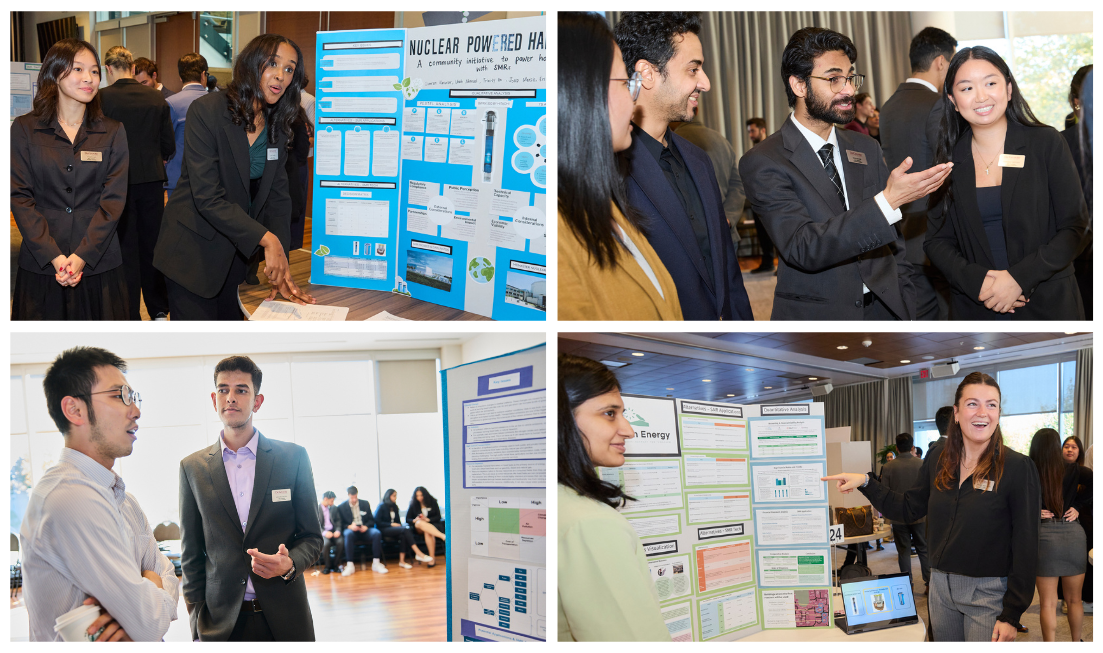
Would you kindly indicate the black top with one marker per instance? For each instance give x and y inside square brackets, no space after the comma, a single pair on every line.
[1076,489]
[977,533]
[148,121]
[991,215]
[676,172]
[415,509]
[386,514]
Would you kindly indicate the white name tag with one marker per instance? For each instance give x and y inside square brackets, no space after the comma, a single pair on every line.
[91,156]
[281,495]
[273,154]
[856,157]
[1012,160]
[986,486]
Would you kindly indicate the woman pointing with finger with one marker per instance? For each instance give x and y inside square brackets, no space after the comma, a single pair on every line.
[981,500]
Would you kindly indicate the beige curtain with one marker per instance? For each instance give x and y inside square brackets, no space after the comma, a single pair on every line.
[875,412]
[1082,397]
[743,61]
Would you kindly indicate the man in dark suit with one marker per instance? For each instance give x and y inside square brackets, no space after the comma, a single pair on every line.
[145,72]
[359,523]
[756,132]
[942,422]
[671,181]
[826,197]
[332,533]
[900,475]
[249,526]
[910,121]
[145,114]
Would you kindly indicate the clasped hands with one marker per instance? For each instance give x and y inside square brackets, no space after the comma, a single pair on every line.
[270,566]
[68,270]
[1001,293]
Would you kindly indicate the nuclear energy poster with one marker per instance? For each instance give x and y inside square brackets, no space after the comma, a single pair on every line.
[431,164]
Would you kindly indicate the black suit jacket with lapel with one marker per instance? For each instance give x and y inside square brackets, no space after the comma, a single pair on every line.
[827,252]
[148,121]
[1045,219]
[213,556]
[910,121]
[209,220]
[722,297]
[366,516]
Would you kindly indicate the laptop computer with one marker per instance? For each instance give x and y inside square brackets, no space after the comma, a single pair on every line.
[877,602]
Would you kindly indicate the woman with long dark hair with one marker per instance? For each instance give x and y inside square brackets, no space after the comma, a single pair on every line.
[1011,217]
[423,515]
[388,520]
[1062,544]
[232,197]
[981,501]
[69,166]
[607,269]
[605,588]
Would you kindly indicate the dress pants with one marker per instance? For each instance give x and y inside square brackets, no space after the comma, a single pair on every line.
[403,535]
[877,310]
[371,535]
[764,241]
[964,608]
[337,543]
[905,536]
[251,627]
[186,305]
[138,228]
[932,293]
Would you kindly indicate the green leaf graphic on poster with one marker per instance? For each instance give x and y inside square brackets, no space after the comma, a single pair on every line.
[397,87]
[406,82]
[322,250]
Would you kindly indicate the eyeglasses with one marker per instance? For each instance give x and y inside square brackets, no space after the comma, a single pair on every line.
[126,393]
[634,83]
[838,82]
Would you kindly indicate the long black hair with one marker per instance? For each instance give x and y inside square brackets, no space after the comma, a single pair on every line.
[245,89]
[953,125]
[426,499]
[1045,451]
[387,495]
[589,179]
[55,67]
[581,379]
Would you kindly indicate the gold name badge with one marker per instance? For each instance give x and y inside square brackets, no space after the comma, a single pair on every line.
[1012,160]
[91,156]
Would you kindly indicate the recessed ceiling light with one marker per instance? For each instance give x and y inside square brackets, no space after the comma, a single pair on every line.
[670,388]
[707,380]
[731,395]
[928,358]
[813,378]
[1069,333]
[978,348]
[842,347]
[748,369]
[905,361]
[769,387]
[636,353]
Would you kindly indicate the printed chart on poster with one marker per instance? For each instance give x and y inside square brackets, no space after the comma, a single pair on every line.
[495,431]
[431,164]
[731,514]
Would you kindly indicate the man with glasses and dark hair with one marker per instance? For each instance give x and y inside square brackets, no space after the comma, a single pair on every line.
[83,535]
[671,182]
[910,120]
[827,198]
[249,527]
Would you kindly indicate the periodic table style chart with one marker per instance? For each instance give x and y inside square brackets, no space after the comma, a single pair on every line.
[431,164]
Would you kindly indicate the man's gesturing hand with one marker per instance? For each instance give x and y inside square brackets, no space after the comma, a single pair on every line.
[903,188]
[270,566]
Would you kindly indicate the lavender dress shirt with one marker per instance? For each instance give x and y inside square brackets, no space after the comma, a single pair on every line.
[325,516]
[241,471]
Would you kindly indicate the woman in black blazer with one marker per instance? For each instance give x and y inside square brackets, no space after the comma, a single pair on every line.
[232,197]
[424,515]
[389,522]
[69,167]
[1008,223]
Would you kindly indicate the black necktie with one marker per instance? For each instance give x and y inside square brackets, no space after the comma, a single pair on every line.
[828,160]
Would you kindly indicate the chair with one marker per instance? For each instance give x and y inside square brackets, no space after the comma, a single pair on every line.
[166,530]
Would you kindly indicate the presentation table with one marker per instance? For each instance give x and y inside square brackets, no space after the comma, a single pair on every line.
[913,633]
[858,539]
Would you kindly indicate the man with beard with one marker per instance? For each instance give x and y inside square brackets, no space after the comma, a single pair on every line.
[83,535]
[671,182]
[756,132]
[248,524]
[827,198]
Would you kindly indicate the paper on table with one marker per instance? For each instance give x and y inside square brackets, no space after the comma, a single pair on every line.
[384,316]
[288,312]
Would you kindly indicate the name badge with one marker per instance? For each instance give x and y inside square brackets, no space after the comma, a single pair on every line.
[986,486]
[856,157]
[273,154]
[281,495]
[1012,160]
[91,156]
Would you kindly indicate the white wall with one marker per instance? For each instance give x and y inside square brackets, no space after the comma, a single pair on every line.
[411,453]
[489,345]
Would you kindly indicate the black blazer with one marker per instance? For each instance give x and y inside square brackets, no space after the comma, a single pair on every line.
[209,220]
[910,120]
[345,512]
[1044,222]
[148,121]
[386,514]
[415,509]
[213,546]
[826,253]
[63,204]
[672,237]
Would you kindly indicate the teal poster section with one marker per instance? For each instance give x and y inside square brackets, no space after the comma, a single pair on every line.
[461,114]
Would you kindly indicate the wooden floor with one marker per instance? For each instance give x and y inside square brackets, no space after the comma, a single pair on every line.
[405,605]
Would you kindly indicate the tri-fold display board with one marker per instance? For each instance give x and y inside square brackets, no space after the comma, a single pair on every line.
[731,512]
[430,159]
[495,421]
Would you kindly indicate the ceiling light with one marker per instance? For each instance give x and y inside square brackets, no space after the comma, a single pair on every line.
[670,388]
[707,380]
[813,378]
[842,347]
[928,358]
[748,369]
[1070,333]
[636,353]
[978,348]
[769,387]
[905,361]
[731,395]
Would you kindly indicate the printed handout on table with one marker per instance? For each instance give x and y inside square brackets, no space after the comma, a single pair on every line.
[671,576]
[655,484]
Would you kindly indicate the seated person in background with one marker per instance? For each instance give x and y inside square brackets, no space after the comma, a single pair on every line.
[387,519]
[359,526]
[424,515]
[331,531]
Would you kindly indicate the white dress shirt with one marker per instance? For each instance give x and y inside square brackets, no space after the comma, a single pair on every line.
[916,80]
[82,536]
[891,215]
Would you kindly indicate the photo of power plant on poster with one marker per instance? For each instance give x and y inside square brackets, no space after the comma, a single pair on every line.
[431,164]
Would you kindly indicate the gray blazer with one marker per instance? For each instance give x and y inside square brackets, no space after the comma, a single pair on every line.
[826,253]
[900,475]
[213,556]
